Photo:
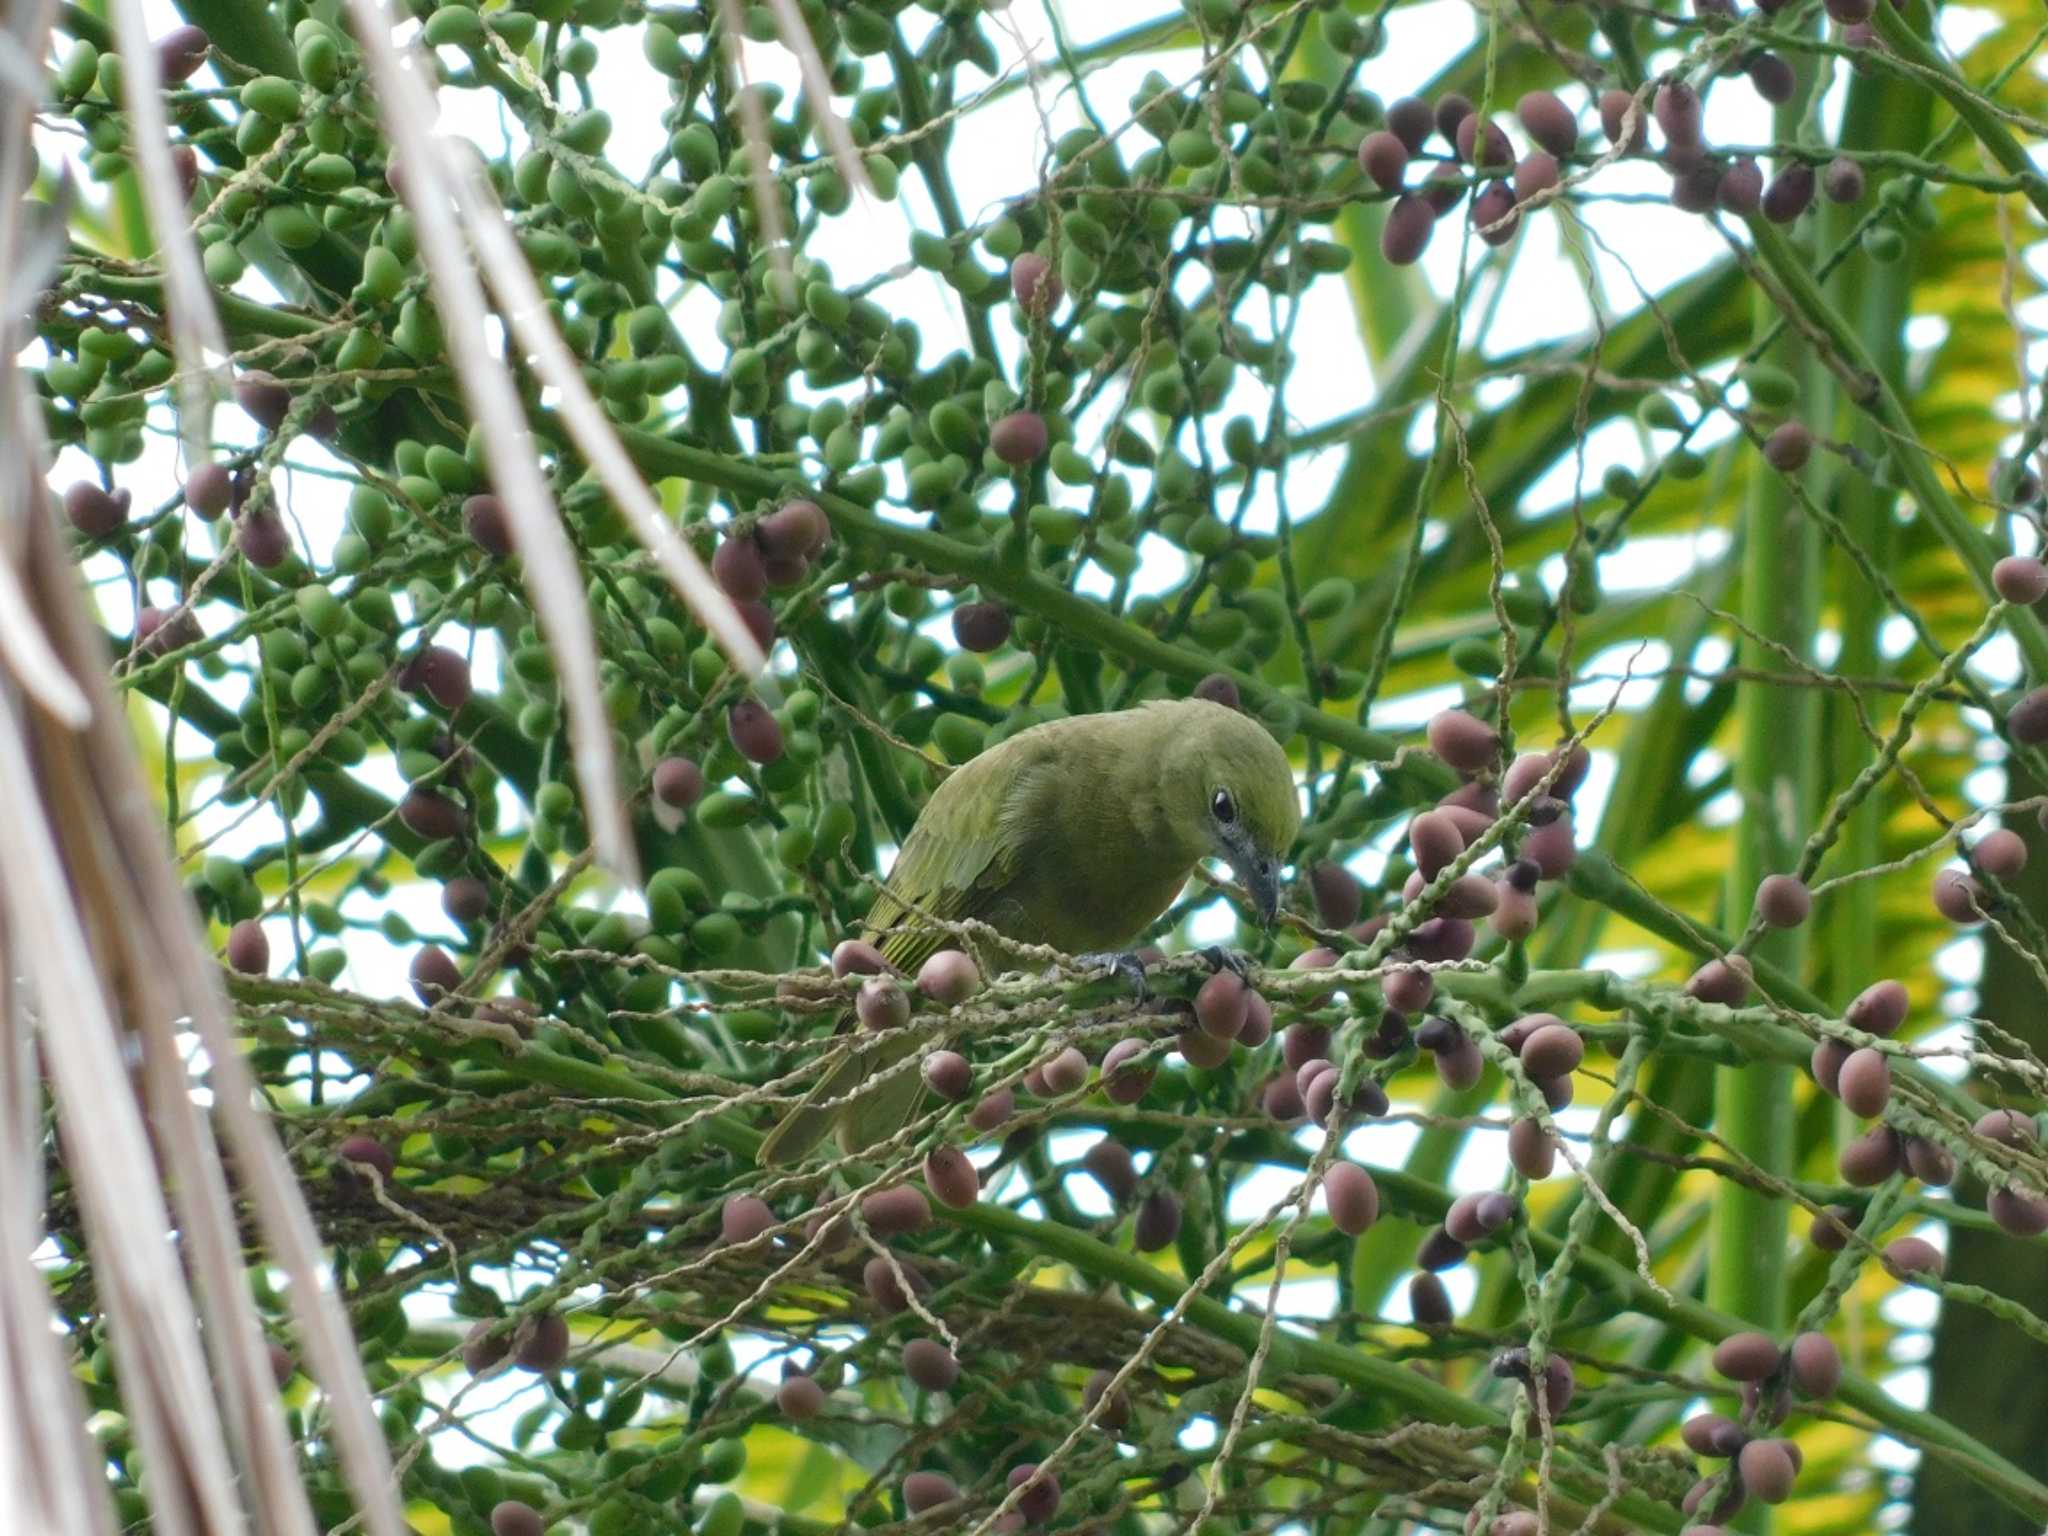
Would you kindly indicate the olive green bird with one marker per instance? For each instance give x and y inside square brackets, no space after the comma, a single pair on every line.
[1077,833]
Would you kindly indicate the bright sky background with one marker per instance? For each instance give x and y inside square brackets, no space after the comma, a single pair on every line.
[996,154]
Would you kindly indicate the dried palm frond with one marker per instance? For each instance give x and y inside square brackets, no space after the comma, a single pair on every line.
[104,980]
[444,197]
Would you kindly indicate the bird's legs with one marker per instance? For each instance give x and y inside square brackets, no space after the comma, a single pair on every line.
[1126,963]
[1236,961]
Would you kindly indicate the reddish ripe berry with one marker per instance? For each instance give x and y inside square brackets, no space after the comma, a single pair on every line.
[1280,1099]
[261,536]
[755,733]
[2020,579]
[263,399]
[1158,1222]
[208,490]
[949,978]
[1548,121]
[743,1218]
[1726,981]
[1451,110]
[951,1177]
[541,1343]
[1338,895]
[930,1365]
[180,52]
[1865,1083]
[737,567]
[1443,190]
[2000,854]
[796,530]
[1843,181]
[2027,721]
[799,1398]
[484,520]
[1816,1365]
[1409,223]
[1789,447]
[1218,688]
[1467,743]
[857,957]
[1774,79]
[2007,1127]
[1677,110]
[1109,1164]
[1410,120]
[2018,1211]
[1040,1499]
[1535,174]
[1112,1410]
[1220,1005]
[1429,1302]
[1123,1084]
[1741,188]
[512,1518]
[482,1349]
[1384,158]
[1064,1073]
[881,1004]
[1958,898]
[1494,214]
[948,1074]
[1879,1009]
[1483,145]
[249,948]
[1035,285]
[1930,1162]
[1827,1060]
[1615,106]
[441,674]
[1695,186]
[897,1210]
[430,815]
[1915,1256]
[369,1153]
[1850,13]
[434,975]
[1552,1050]
[1019,438]
[1872,1157]
[678,783]
[981,627]
[1783,901]
[1789,194]
[1830,1228]
[927,1490]
[1767,1471]
[1747,1356]
[994,1110]
[1353,1198]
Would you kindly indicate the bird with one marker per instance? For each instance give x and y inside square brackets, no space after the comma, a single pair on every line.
[1076,833]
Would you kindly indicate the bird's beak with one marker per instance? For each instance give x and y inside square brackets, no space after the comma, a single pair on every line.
[1259,874]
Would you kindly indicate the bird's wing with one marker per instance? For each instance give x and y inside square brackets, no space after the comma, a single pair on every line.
[955,864]
[958,860]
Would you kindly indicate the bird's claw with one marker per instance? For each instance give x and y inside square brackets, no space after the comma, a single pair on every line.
[1121,962]
[1236,961]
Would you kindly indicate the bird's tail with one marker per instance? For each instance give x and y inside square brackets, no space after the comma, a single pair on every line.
[875,1112]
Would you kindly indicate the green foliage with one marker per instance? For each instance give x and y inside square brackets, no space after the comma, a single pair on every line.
[1117,475]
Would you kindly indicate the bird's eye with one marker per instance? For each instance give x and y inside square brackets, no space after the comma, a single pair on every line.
[1223,808]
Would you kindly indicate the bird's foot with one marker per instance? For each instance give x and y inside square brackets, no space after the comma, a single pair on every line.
[1235,961]
[1119,962]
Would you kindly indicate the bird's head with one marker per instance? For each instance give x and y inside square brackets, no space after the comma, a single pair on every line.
[1231,786]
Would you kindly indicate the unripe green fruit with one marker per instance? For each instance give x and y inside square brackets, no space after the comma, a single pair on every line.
[273,97]
[224,265]
[586,132]
[78,70]
[321,611]
[291,226]
[454,26]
